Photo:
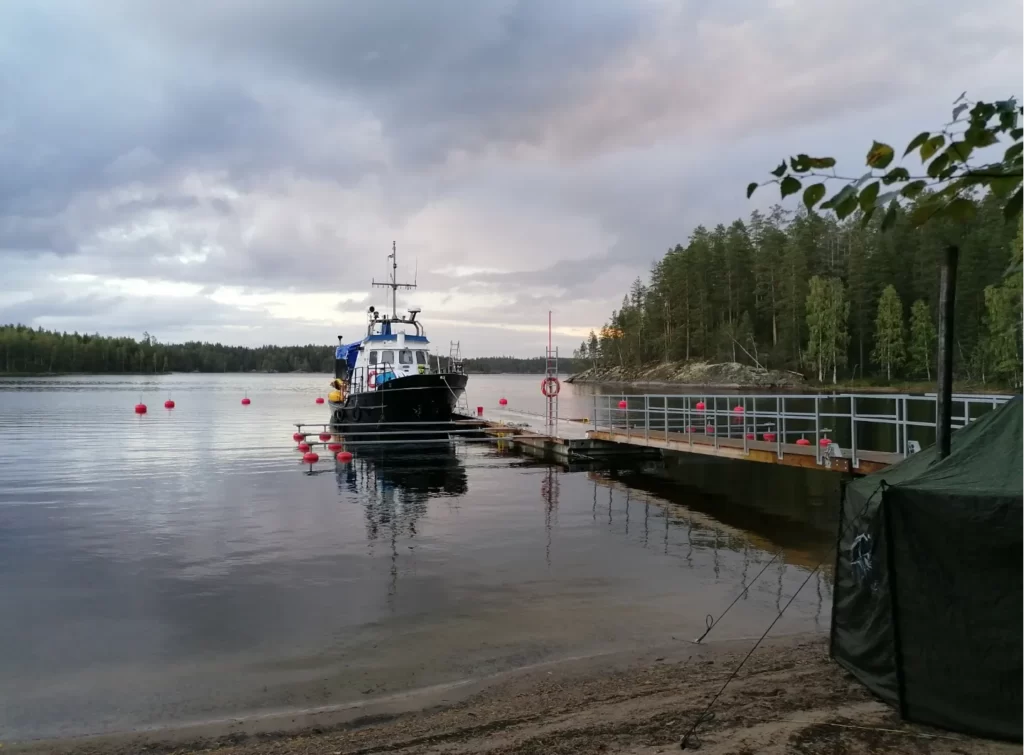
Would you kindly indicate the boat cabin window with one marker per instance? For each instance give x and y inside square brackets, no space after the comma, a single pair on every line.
[373,357]
[405,356]
[388,357]
[421,357]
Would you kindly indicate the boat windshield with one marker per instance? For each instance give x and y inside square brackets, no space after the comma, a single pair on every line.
[405,356]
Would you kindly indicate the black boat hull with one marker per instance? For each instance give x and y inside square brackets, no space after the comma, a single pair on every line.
[413,405]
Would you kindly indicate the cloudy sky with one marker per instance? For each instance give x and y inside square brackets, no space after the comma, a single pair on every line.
[236,170]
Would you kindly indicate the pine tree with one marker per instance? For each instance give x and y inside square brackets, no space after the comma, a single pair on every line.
[922,339]
[889,348]
[827,314]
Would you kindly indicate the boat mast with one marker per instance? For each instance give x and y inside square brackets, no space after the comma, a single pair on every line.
[393,284]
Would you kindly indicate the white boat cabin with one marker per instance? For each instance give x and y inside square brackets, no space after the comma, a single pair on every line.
[390,351]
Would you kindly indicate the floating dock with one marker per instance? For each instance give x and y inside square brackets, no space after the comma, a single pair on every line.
[847,433]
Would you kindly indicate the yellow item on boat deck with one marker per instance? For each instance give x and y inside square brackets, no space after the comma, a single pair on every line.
[334,397]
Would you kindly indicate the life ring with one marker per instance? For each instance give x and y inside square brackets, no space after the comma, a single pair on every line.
[550,386]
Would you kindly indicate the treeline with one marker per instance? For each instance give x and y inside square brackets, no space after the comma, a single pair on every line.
[26,350]
[831,299]
[517,366]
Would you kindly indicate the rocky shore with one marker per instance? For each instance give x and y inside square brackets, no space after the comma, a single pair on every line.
[724,375]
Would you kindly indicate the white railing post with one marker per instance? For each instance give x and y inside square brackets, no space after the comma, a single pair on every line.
[647,419]
[817,429]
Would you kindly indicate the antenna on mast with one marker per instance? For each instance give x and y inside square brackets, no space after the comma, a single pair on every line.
[393,284]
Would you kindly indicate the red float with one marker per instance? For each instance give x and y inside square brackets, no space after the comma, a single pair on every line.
[700,406]
[345,457]
[325,436]
[479,411]
[140,408]
[303,447]
[691,429]
[319,399]
[709,430]
[502,401]
[298,437]
[335,447]
[310,457]
[770,437]
[824,442]
[738,409]
[751,436]
[168,404]
[246,401]
[803,442]
[623,404]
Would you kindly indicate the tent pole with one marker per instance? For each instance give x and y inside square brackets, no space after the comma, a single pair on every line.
[944,400]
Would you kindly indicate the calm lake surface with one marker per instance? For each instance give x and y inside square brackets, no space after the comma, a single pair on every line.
[182,566]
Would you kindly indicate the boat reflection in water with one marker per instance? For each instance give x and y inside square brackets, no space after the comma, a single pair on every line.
[395,485]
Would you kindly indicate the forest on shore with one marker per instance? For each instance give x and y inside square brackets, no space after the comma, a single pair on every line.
[830,299]
[34,351]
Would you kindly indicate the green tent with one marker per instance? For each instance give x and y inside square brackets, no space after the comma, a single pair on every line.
[927,605]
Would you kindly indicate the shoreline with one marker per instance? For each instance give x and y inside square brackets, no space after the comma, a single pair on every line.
[788,697]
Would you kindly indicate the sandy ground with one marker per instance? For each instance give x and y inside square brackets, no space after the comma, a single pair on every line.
[788,698]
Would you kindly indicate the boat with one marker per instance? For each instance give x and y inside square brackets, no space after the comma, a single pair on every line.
[391,379]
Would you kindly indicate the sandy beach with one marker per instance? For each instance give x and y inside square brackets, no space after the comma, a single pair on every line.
[789,697]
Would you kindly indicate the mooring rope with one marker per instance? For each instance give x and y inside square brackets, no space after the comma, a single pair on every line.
[706,714]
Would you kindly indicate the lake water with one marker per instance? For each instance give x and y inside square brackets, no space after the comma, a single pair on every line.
[182,566]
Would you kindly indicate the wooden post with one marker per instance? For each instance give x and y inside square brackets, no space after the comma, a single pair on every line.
[944,401]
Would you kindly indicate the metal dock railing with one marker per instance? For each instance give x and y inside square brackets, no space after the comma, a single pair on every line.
[850,431]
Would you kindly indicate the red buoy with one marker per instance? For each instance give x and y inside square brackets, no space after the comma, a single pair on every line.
[770,437]
[824,442]
[319,399]
[335,447]
[623,404]
[303,447]
[700,406]
[803,442]
[298,437]
[168,404]
[140,408]
[709,430]
[246,401]
[691,429]
[738,409]
[345,457]
[310,457]
[325,436]
[751,436]
[502,401]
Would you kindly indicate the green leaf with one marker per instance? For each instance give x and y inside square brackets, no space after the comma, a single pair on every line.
[868,194]
[1013,152]
[960,209]
[1002,187]
[1017,133]
[880,155]
[866,217]
[890,217]
[751,188]
[838,197]
[821,163]
[980,137]
[846,207]
[913,188]
[959,151]
[778,172]
[923,213]
[790,185]
[931,146]
[937,165]
[896,174]
[885,199]
[799,164]
[813,194]
[866,177]
[1012,207]
[958,109]
[916,142]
